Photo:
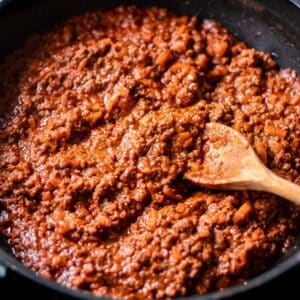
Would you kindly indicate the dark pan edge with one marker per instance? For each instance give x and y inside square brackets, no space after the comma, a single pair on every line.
[255,282]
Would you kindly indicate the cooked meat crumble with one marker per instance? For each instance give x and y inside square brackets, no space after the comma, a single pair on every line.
[99,119]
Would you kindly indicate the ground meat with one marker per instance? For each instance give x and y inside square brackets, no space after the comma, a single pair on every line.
[99,119]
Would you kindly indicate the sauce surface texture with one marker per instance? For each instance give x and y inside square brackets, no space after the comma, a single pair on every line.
[99,119]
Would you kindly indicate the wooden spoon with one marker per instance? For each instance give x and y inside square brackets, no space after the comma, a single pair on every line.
[230,163]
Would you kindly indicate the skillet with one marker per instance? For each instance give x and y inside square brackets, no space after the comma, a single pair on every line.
[271,26]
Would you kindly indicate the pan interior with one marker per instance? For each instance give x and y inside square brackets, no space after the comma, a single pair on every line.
[268,26]
[263,25]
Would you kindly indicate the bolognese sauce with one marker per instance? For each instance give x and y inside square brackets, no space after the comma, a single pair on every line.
[100,117]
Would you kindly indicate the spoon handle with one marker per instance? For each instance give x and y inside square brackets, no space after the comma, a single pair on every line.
[274,184]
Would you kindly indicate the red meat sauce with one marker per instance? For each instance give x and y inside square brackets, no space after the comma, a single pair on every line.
[100,117]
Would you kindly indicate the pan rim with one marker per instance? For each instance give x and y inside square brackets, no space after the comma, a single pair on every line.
[278,269]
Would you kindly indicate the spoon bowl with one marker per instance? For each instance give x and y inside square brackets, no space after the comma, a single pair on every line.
[230,163]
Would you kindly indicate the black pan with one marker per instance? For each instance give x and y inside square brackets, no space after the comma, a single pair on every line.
[270,25]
